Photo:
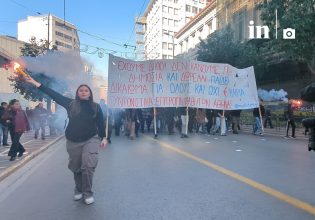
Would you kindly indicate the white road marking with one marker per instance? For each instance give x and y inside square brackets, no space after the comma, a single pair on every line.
[27,142]
[238,150]
[234,141]
[4,152]
[207,142]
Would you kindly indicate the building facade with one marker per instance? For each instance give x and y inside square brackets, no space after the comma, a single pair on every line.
[51,28]
[215,16]
[197,29]
[161,21]
[10,49]
[237,14]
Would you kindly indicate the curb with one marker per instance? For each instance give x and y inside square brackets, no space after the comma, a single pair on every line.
[26,159]
[276,134]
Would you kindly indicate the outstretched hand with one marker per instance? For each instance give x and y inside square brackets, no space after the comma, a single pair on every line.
[104,143]
[30,80]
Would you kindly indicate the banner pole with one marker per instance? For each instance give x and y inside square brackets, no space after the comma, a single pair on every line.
[107,117]
[222,124]
[154,121]
[261,121]
[187,120]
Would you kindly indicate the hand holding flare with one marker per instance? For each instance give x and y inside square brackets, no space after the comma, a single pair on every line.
[26,77]
[17,68]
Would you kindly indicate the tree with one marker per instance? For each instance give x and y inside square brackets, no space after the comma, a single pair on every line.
[220,47]
[34,49]
[296,14]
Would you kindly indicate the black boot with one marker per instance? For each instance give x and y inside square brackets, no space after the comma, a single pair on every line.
[12,158]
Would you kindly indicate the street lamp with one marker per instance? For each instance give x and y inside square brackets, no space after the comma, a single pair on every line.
[166,33]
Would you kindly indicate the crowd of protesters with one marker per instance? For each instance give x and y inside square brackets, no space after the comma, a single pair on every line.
[182,120]
[131,122]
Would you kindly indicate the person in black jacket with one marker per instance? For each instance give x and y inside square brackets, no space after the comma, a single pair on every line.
[236,114]
[85,123]
[290,119]
[4,130]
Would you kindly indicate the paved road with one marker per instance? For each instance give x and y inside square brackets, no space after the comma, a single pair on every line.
[202,177]
[30,144]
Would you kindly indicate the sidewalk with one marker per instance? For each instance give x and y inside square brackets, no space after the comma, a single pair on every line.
[32,146]
[281,132]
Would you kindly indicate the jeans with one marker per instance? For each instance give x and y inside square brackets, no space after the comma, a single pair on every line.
[4,130]
[257,126]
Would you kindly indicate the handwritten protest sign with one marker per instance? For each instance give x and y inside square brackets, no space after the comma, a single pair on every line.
[178,83]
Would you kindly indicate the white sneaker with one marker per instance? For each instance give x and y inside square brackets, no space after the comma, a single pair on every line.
[89,200]
[77,197]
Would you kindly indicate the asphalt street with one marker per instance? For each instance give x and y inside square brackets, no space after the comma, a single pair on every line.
[201,177]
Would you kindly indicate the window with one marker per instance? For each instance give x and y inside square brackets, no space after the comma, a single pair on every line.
[164,8]
[68,46]
[170,46]
[164,56]
[194,10]
[170,22]
[164,21]
[175,11]
[67,37]
[170,10]
[188,8]
[59,24]
[175,23]
[170,57]
[210,26]
[59,33]
[175,1]
[164,45]
[58,43]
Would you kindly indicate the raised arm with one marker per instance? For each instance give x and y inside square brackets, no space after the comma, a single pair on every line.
[60,99]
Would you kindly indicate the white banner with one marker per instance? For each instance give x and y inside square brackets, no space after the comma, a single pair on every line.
[178,83]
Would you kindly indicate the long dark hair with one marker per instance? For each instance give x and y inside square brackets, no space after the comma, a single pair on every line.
[75,106]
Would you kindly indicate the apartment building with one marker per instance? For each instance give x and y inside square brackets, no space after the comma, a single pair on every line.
[197,29]
[161,21]
[51,28]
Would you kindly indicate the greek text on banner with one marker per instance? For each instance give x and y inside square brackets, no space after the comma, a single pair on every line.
[180,83]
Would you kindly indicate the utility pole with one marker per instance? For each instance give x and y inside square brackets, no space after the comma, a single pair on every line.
[64,12]
[48,40]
